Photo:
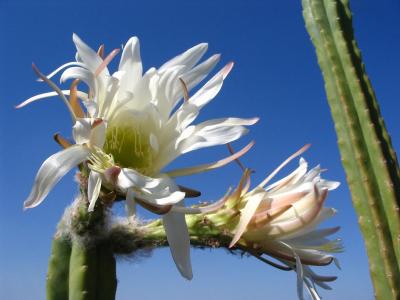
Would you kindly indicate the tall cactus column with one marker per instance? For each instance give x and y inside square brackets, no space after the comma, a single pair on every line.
[368,158]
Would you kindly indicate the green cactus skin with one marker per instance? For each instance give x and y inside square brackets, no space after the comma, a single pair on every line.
[58,272]
[106,281]
[82,272]
[367,155]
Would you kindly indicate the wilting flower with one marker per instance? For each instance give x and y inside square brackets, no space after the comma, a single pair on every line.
[281,219]
[134,125]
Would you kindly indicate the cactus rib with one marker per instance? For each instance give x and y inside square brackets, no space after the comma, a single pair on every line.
[82,272]
[58,270]
[368,158]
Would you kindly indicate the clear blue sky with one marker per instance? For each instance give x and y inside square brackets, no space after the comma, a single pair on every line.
[276,77]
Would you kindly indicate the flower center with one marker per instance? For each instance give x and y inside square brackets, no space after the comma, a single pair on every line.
[130,148]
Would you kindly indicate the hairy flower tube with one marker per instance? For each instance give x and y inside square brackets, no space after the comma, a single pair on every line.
[133,126]
[280,220]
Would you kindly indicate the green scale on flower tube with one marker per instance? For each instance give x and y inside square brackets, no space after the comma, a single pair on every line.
[130,147]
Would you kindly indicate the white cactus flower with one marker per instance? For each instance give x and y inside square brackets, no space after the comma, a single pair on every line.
[134,125]
[281,220]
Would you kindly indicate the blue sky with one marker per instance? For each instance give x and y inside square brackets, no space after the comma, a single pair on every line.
[276,77]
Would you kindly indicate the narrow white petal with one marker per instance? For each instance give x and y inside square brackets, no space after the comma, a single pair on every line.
[210,166]
[330,185]
[94,186]
[325,214]
[87,54]
[179,242]
[210,137]
[212,133]
[246,215]
[69,64]
[188,58]
[79,73]
[197,74]
[81,95]
[211,88]
[290,179]
[52,170]
[294,155]
[131,64]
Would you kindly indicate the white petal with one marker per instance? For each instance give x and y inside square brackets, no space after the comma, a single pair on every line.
[87,54]
[94,186]
[81,130]
[212,135]
[246,215]
[211,88]
[315,235]
[129,178]
[179,242]
[131,64]
[130,203]
[98,134]
[198,73]
[81,74]
[325,214]
[189,58]
[210,166]
[282,165]
[292,178]
[69,64]
[81,95]
[161,198]
[52,170]
[330,185]
[91,107]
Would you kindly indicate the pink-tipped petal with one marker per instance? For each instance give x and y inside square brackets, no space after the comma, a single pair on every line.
[210,166]
[294,155]
[105,62]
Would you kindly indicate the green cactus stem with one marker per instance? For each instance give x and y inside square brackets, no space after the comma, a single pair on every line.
[82,272]
[58,270]
[106,280]
[368,157]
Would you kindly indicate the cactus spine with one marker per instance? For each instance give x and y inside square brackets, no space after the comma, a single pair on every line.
[367,155]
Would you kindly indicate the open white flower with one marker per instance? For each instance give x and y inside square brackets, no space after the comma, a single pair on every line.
[281,220]
[135,124]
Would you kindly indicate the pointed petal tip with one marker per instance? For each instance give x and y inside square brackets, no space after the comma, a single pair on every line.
[75,37]
[255,120]
[188,276]
[203,45]
[227,69]
[133,39]
[232,243]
